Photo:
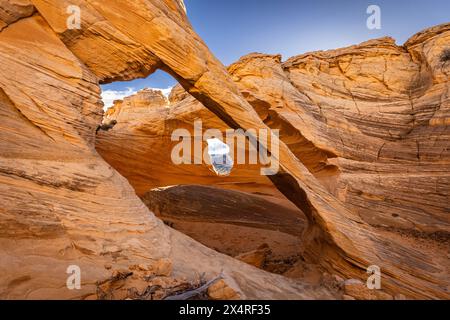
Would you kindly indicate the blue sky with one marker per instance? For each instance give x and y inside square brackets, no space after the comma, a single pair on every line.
[233,28]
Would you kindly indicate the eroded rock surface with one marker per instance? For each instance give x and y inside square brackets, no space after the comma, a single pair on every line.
[135,104]
[62,204]
[253,228]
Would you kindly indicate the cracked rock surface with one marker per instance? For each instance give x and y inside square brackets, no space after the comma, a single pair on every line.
[365,134]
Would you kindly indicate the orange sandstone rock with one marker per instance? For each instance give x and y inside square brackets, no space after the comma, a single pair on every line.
[375,112]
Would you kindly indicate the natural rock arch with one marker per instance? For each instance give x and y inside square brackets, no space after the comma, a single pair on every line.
[136,38]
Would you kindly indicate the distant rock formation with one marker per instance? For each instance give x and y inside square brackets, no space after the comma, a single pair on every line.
[62,204]
[135,104]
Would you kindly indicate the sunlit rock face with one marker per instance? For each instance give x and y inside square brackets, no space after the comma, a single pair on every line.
[136,104]
[369,121]
[64,205]
[233,222]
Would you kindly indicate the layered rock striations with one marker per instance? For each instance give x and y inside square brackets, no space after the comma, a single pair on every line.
[63,205]
[236,223]
[135,104]
[373,115]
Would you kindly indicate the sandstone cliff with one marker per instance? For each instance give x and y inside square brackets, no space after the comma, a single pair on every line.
[62,204]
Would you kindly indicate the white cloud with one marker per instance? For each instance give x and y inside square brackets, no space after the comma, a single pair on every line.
[108,96]
[165,91]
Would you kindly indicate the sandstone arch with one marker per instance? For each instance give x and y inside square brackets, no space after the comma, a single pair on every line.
[60,98]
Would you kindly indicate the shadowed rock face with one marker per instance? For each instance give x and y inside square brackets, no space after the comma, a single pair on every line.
[232,222]
[137,103]
[63,205]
